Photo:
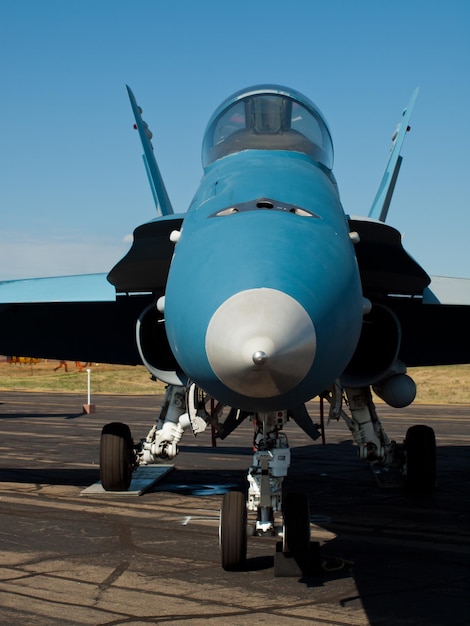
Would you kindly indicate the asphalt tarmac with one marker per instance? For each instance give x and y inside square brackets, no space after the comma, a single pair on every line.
[67,559]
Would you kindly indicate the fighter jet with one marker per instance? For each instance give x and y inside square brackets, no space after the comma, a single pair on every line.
[262,296]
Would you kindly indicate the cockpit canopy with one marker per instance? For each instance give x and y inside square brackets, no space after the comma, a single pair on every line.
[268,118]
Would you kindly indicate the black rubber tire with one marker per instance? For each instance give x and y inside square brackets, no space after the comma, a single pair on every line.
[296,524]
[420,448]
[116,457]
[233,521]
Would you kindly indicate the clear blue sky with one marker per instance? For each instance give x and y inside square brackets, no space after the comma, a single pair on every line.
[73,186]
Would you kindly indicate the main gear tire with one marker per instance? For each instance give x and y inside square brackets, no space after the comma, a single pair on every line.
[420,450]
[116,457]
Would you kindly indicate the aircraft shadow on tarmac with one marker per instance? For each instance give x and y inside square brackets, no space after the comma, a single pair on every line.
[404,553]
[223,450]
[408,557]
[67,416]
[73,477]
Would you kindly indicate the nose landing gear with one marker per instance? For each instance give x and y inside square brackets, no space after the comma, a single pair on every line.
[233,530]
[295,555]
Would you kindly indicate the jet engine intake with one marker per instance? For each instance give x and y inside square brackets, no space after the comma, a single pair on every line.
[154,349]
[377,350]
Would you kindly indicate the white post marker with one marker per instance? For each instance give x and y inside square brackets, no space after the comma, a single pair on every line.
[89,408]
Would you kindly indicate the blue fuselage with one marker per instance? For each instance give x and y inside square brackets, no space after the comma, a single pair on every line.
[263,304]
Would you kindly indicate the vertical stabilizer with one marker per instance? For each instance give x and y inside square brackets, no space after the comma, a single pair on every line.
[160,196]
[384,194]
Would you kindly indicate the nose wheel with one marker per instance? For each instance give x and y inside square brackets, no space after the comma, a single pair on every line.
[296,555]
[296,524]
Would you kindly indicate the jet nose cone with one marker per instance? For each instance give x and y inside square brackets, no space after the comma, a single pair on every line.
[259,357]
[261,343]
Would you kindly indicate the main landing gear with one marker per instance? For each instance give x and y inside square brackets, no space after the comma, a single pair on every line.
[420,455]
[183,409]
[415,458]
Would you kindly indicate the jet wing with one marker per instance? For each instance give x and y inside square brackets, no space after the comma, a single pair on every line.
[433,312]
[435,328]
[90,317]
[80,288]
[443,290]
[75,318]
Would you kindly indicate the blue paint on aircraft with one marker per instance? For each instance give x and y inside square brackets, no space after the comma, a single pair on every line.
[267,215]
[80,288]
[264,291]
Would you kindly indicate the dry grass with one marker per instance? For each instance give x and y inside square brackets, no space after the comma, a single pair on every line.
[104,378]
[446,384]
[436,385]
